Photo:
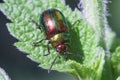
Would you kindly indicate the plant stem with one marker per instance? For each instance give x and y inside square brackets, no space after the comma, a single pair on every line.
[94,12]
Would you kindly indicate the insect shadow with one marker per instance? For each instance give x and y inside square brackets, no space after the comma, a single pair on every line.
[75,47]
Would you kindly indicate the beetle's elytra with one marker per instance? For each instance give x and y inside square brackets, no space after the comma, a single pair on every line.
[56,29]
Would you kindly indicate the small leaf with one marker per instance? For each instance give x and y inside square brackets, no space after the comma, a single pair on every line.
[118,78]
[116,61]
[3,75]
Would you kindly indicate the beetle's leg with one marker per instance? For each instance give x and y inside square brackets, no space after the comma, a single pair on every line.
[36,43]
[65,56]
[38,26]
[75,22]
[48,49]
[49,70]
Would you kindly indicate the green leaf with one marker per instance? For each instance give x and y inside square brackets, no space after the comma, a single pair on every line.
[109,40]
[85,39]
[116,61]
[3,75]
[118,78]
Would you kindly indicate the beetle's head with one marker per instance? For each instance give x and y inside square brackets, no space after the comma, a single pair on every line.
[62,48]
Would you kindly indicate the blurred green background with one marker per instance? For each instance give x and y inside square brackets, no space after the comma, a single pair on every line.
[114,18]
[19,67]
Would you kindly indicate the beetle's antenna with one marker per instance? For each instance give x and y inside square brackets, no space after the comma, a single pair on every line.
[49,70]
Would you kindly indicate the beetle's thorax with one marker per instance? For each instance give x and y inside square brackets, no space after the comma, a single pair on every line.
[59,39]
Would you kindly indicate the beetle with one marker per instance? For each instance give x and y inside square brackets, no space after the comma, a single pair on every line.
[56,29]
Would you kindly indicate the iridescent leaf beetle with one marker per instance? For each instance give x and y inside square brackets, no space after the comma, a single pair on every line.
[56,30]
